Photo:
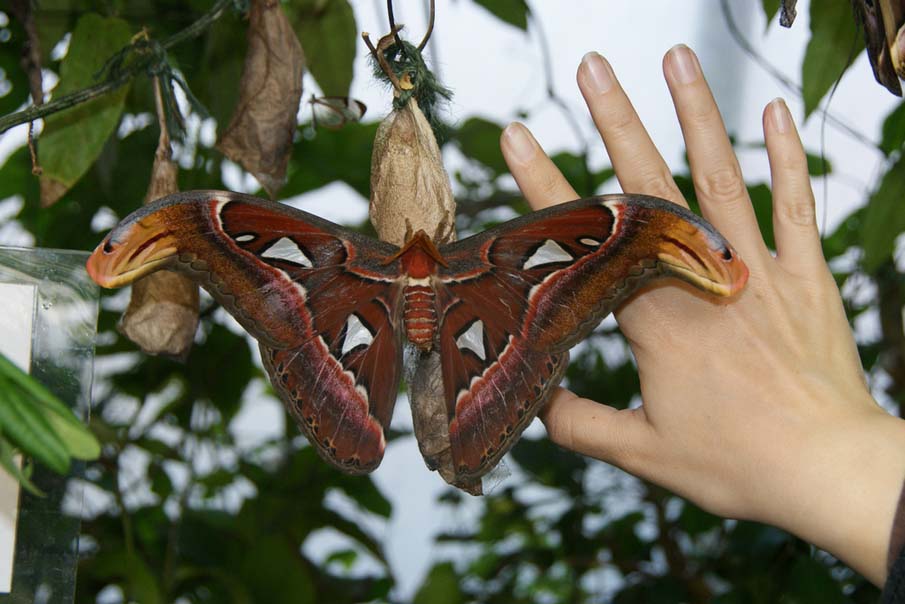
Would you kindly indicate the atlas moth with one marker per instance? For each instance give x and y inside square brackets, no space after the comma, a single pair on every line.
[332,309]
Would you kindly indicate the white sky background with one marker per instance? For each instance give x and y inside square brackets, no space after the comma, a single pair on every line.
[495,71]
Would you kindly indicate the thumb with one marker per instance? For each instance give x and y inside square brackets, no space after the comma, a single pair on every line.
[622,437]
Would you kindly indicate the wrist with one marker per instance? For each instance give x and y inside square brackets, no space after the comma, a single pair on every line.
[839,486]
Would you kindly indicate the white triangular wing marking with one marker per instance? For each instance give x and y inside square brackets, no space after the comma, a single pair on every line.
[473,339]
[356,334]
[286,249]
[548,253]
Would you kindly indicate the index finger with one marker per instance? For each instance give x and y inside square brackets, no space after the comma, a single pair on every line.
[540,181]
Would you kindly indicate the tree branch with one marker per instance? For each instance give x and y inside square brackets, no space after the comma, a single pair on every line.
[86,94]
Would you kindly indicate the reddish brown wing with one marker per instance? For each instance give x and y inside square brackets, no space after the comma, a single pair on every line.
[316,296]
[516,297]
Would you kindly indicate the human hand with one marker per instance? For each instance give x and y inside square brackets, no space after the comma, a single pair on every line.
[754,407]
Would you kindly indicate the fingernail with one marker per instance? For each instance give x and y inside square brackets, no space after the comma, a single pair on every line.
[600,74]
[779,113]
[520,142]
[683,64]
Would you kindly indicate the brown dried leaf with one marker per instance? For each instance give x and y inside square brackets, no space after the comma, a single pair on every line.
[259,135]
[162,316]
[410,189]
[51,191]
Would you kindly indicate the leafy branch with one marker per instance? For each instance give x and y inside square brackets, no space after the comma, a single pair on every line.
[146,57]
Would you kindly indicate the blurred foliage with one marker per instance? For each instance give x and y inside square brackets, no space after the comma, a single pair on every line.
[182,507]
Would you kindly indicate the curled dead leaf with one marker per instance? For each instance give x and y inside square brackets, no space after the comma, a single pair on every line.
[259,135]
[162,315]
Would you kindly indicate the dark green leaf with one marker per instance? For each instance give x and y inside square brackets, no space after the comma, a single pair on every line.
[9,463]
[219,67]
[835,43]
[73,139]
[441,586]
[549,464]
[695,521]
[810,581]
[17,93]
[274,571]
[139,582]
[329,157]
[24,424]
[846,235]
[884,217]
[514,12]
[894,130]
[819,165]
[762,200]
[575,169]
[479,140]
[771,7]
[77,440]
[328,33]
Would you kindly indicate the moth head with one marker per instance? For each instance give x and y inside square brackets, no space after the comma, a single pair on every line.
[698,254]
[132,250]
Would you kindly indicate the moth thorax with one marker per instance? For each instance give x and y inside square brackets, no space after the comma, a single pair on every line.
[420,315]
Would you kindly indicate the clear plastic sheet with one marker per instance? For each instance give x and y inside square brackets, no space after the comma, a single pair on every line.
[62,358]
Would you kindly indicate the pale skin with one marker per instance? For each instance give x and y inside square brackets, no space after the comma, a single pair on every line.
[753,407]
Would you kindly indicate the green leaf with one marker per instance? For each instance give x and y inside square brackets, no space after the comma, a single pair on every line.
[328,157]
[11,465]
[441,586]
[818,166]
[771,7]
[810,581]
[328,33]
[514,12]
[17,94]
[25,425]
[79,442]
[576,171]
[274,571]
[835,43]
[762,200]
[549,464]
[894,130]
[479,140]
[884,217]
[73,139]
[140,582]
[216,80]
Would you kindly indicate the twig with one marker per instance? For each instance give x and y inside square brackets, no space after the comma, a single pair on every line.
[430,26]
[557,100]
[86,94]
[31,64]
[381,59]
[163,142]
[785,82]
[393,29]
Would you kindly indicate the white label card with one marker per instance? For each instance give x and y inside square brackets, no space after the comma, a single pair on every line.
[17,312]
